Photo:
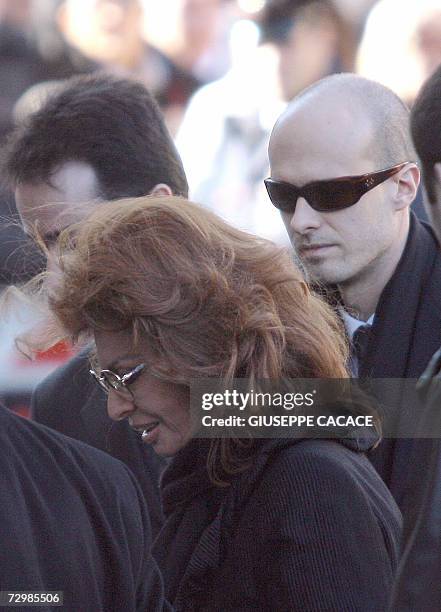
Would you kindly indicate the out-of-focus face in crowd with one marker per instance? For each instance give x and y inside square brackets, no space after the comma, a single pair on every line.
[46,208]
[50,207]
[308,50]
[104,30]
[404,56]
[305,41]
[428,39]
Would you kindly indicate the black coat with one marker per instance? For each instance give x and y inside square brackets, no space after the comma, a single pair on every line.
[407,326]
[310,526]
[417,584]
[405,334]
[70,402]
[72,519]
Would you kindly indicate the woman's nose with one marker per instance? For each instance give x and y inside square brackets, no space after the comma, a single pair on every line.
[118,406]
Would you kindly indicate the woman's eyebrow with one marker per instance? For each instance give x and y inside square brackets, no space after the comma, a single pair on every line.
[121,361]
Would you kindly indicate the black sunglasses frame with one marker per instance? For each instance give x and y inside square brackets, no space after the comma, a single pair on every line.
[355,187]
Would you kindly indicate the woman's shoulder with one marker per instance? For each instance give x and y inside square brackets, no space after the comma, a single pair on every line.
[324,481]
[325,466]
[333,454]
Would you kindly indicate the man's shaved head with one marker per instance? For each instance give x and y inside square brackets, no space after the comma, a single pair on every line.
[364,102]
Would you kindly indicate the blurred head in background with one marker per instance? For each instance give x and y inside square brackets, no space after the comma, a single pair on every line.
[401,44]
[306,36]
[107,31]
[16,13]
[425,121]
[193,33]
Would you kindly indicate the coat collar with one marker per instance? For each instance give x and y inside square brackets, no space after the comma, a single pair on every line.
[394,337]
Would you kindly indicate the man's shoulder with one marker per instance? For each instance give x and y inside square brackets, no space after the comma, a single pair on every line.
[75,369]
[78,495]
[66,389]
[28,439]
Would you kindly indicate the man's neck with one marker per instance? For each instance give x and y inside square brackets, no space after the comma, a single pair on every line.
[361,295]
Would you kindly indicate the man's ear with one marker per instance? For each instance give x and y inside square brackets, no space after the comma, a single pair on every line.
[407,181]
[161,189]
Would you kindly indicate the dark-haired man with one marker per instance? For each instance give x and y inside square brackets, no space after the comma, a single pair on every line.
[99,137]
[343,174]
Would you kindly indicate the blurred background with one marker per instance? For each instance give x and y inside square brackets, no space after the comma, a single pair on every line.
[221,70]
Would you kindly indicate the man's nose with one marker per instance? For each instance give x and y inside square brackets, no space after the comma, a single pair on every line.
[304,218]
[119,407]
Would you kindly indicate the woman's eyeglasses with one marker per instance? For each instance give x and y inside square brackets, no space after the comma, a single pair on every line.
[109,381]
[328,195]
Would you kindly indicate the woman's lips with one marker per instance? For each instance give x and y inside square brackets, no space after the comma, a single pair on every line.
[150,434]
[145,428]
[149,430]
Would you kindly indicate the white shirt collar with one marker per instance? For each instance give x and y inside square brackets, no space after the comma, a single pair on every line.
[351,323]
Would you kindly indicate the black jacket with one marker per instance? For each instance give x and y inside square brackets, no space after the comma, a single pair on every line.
[310,526]
[417,584]
[72,519]
[405,334]
[70,402]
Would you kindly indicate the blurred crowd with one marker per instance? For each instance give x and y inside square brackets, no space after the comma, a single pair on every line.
[222,72]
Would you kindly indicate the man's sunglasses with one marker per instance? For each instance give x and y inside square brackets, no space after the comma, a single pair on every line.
[328,195]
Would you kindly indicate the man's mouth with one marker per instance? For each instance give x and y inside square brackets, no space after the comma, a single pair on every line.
[312,249]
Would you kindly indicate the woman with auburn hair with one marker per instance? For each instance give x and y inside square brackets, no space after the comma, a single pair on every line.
[169,293]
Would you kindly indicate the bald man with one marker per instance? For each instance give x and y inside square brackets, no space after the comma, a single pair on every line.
[357,235]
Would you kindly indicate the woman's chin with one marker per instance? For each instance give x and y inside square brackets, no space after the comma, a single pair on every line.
[163,444]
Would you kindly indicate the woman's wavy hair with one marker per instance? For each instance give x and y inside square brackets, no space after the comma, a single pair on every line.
[211,300]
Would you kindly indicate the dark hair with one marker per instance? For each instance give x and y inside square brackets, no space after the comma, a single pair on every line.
[424,121]
[113,124]
[277,17]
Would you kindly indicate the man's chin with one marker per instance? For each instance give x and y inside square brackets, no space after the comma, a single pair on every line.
[323,275]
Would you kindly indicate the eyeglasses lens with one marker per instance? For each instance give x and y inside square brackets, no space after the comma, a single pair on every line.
[283,196]
[331,196]
[323,197]
[110,382]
